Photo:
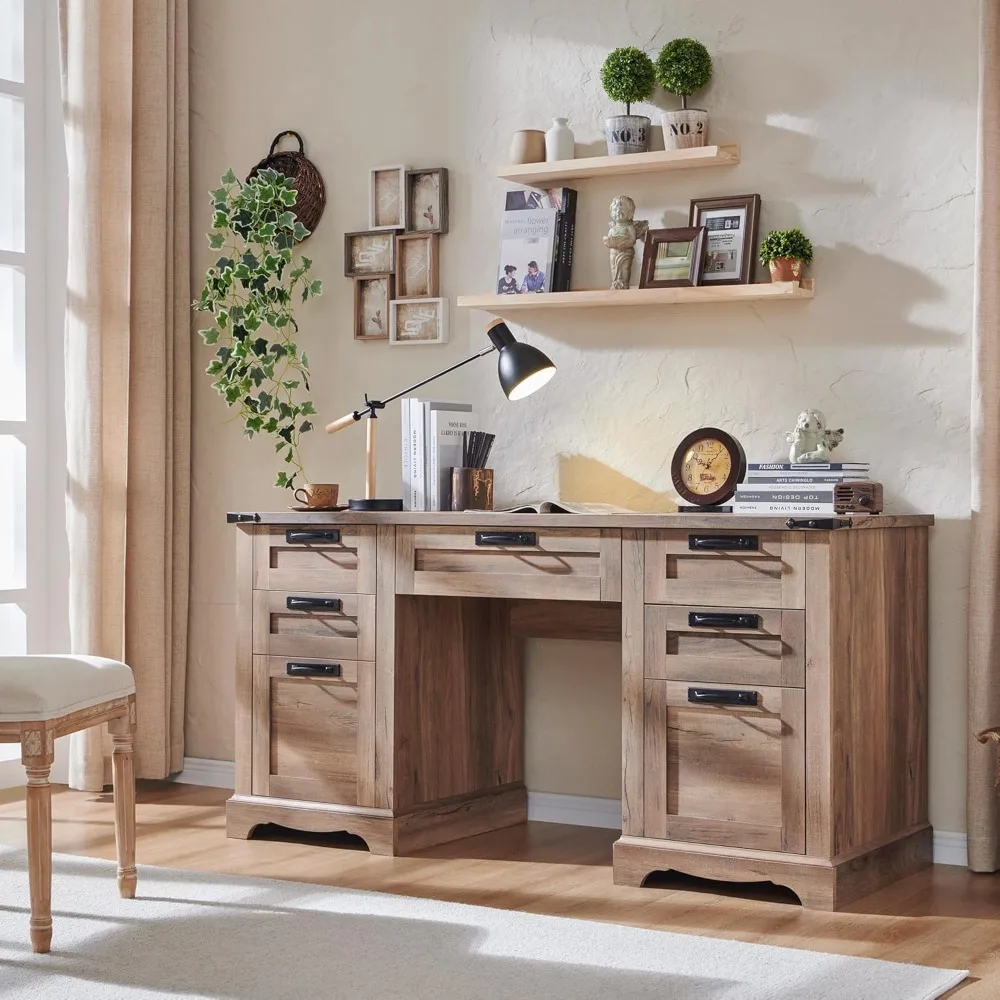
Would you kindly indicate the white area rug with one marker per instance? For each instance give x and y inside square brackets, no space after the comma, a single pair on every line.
[195,935]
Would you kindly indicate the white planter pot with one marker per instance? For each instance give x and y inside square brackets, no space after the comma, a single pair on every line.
[559,141]
[685,128]
[627,134]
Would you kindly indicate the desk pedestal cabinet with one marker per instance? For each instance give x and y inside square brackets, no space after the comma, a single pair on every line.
[774,683]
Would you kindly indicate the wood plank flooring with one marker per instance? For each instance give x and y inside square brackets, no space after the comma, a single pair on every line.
[945,916]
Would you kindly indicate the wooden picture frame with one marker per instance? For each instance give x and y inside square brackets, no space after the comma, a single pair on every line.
[387,198]
[372,298]
[417,266]
[685,246]
[730,225]
[418,321]
[367,253]
[427,200]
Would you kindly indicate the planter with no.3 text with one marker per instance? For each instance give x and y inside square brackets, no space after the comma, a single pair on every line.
[627,134]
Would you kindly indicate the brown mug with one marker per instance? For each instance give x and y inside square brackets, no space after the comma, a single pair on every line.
[318,494]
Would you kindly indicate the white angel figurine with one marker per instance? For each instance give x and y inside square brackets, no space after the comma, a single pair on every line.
[812,441]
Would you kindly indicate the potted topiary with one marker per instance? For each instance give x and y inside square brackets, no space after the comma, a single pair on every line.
[786,252]
[628,76]
[684,67]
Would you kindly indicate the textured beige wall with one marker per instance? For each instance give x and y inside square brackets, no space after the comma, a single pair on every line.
[855,123]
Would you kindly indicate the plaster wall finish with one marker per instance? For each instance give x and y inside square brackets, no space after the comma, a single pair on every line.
[856,121]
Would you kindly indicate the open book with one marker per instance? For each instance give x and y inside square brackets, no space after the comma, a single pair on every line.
[566,507]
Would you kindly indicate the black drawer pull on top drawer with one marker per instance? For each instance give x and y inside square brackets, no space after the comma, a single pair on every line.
[720,619]
[295,537]
[723,543]
[313,669]
[521,538]
[314,603]
[713,696]
[820,523]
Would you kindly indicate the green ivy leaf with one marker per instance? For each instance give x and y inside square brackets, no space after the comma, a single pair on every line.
[316,286]
[229,177]
[283,482]
[305,426]
[216,241]
[210,336]
[299,232]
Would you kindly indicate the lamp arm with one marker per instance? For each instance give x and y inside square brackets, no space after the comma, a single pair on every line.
[372,405]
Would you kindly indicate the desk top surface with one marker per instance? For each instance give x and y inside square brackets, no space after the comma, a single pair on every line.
[497,519]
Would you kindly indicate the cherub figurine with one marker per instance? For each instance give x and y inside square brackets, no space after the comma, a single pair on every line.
[622,234]
[811,441]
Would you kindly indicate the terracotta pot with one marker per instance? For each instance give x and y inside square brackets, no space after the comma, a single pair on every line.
[528,146]
[685,128]
[786,269]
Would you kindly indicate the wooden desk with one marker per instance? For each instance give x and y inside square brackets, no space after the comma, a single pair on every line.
[774,683]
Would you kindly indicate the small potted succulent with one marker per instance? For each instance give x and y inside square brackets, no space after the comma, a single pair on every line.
[786,252]
[628,77]
[684,67]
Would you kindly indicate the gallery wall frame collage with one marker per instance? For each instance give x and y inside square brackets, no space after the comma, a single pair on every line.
[395,262]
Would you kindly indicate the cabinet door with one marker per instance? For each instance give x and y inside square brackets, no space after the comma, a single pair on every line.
[725,765]
[309,730]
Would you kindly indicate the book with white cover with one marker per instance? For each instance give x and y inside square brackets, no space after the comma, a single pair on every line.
[448,422]
[417,491]
[406,450]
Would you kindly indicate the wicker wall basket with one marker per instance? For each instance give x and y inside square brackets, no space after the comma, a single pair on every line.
[308,183]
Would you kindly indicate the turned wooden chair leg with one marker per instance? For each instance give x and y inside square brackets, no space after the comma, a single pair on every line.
[37,764]
[123,775]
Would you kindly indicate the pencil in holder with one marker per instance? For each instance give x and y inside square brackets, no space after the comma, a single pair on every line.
[471,489]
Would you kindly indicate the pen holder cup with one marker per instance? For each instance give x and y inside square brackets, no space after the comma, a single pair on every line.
[471,489]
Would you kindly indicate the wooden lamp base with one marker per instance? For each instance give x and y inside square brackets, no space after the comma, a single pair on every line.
[370,502]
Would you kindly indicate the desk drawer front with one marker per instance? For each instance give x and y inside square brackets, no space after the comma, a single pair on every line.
[316,558]
[324,626]
[725,645]
[721,772]
[555,564]
[757,569]
[306,732]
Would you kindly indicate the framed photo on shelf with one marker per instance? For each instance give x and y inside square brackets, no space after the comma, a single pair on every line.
[369,253]
[418,321]
[417,266]
[426,199]
[672,258]
[387,198]
[730,237]
[371,307]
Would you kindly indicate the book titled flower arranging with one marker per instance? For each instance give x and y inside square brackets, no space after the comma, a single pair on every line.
[536,241]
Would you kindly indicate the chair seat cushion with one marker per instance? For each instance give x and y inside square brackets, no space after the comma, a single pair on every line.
[38,688]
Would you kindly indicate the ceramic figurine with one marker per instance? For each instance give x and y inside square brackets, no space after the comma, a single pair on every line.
[812,441]
[621,238]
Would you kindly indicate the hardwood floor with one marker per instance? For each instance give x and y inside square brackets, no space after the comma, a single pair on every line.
[945,916]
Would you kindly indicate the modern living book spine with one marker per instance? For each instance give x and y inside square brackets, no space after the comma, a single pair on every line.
[740,507]
[418,494]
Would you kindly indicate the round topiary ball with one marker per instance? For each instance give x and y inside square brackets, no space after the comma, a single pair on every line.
[683,67]
[628,76]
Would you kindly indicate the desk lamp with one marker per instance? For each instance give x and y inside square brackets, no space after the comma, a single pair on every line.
[521,369]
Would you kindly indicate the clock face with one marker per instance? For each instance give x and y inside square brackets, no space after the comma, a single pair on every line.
[707,466]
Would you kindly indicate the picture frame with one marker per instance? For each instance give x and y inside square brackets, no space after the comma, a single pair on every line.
[673,258]
[730,237]
[372,298]
[367,253]
[417,266]
[387,198]
[418,322]
[427,200]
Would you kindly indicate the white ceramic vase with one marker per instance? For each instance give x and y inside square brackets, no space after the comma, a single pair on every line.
[559,141]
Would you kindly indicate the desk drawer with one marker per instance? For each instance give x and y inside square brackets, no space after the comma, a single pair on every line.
[315,558]
[306,731]
[325,626]
[756,569]
[726,645]
[573,564]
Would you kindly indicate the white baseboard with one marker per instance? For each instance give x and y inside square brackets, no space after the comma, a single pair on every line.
[547,807]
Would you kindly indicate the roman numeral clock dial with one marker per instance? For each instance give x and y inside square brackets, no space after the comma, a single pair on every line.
[707,466]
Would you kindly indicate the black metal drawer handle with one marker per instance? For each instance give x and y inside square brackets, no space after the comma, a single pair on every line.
[314,603]
[820,523]
[293,537]
[713,696]
[723,543]
[313,669]
[524,539]
[718,619]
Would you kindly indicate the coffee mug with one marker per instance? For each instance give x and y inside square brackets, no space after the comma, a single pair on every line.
[318,494]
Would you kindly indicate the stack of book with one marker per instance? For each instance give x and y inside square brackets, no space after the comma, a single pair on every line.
[432,446]
[786,488]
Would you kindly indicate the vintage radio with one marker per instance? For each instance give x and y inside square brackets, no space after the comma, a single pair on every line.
[858,498]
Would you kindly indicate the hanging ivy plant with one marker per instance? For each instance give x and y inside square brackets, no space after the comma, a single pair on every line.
[250,292]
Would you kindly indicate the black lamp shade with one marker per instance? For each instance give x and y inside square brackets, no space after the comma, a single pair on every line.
[521,368]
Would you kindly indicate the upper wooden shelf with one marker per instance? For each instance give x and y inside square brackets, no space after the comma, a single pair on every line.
[500,305]
[553,173]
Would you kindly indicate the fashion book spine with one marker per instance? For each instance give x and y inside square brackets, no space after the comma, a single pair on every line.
[809,467]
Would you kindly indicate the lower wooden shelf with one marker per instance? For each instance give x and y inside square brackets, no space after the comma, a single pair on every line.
[608,298]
